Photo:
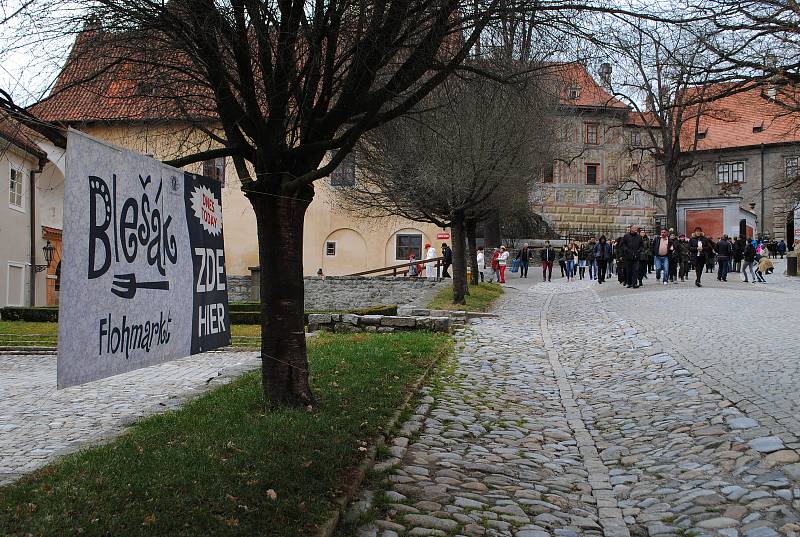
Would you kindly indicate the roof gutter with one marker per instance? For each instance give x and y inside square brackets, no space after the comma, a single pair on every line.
[32,197]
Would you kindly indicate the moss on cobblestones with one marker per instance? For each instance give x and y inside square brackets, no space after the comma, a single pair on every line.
[222,465]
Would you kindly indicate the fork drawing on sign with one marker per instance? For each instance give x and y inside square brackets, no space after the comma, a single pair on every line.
[125,285]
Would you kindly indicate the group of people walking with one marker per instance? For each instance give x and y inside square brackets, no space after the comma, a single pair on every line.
[634,255]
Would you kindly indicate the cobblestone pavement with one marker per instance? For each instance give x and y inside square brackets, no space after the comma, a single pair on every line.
[740,338]
[562,418]
[38,422]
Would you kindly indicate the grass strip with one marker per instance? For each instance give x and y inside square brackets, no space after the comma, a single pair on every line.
[221,465]
[45,334]
[480,298]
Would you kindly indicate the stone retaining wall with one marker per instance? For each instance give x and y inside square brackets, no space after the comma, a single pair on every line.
[346,292]
[240,289]
[346,322]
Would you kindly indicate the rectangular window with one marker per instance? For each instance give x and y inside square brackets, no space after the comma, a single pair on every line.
[15,189]
[591,131]
[634,167]
[407,245]
[330,248]
[591,174]
[730,172]
[215,169]
[636,139]
[573,93]
[792,167]
[15,284]
[345,173]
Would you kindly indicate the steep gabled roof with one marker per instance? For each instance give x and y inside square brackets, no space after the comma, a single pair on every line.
[590,94]
[118,77]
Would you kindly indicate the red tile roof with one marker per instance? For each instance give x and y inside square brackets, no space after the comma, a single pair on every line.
[19,135]
[113,77]
[747,118]
[590,93]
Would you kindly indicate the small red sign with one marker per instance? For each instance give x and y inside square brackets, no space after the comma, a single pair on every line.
[442,236]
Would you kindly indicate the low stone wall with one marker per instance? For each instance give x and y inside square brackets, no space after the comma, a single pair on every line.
[345,322]
[240,289]
[346,292]
[349,292]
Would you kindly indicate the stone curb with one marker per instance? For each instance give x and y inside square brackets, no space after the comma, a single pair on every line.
[329,526]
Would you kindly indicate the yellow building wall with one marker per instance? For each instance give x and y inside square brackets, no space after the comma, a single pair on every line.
[362,244]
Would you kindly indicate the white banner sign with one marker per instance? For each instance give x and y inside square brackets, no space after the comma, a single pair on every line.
[143,270]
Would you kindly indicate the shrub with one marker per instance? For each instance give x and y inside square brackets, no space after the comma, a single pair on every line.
[41,314]
[245,306]
[244,317]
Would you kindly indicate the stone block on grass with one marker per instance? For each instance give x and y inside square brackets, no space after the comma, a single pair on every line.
[399,322]
[370,320]
[319,318]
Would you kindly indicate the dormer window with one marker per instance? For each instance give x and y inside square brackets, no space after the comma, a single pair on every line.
[758,127]
[573,93]
[701,134]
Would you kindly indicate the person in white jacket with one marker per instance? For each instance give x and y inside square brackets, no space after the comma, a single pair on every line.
[502,260]
[481,262]
[430,268]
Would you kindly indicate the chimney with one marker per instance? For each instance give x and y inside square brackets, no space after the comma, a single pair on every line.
[774,78]
[605,75]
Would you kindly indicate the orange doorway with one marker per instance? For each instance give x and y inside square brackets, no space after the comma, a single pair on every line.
[54,270]
[712,221]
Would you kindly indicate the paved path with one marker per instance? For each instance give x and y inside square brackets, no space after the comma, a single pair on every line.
[566,417]
[38,422]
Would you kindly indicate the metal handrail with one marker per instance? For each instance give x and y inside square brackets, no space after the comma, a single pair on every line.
[394,268]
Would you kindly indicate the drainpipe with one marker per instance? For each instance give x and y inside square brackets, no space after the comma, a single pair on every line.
[761,220]
[32,198]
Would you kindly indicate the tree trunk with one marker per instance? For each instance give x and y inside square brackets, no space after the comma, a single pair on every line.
[491,231]
[459,258]
[284,371]
[673,185]
[472,250]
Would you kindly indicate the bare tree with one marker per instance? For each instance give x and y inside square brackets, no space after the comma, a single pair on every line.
[276,86]
[474,142]
[664,75]
[287,82]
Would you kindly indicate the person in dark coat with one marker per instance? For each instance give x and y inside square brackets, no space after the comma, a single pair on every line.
[524,256]
[675,259]
[447,254]
[748,260]
[632,244]
[644,256]
[619,251]
[699,249]
[546,257]
[724,251]
[602,256]
[782,248]
[684,257]
[738,251]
